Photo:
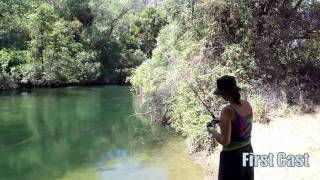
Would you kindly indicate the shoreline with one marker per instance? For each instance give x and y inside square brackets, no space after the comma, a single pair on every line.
[29,87]
[208,163]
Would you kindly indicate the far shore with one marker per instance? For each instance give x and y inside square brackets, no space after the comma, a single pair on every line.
[30,87]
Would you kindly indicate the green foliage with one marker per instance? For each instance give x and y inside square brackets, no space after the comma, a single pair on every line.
[81,10]
[259,108]
[146,29]
[40,28]
[266,44]
[147,76]
[10,60]
[256,43]
[6,82]
[239,60]
[61,59]
[49,43]
[187,113]
[13,22]
[167,78]
[32,74]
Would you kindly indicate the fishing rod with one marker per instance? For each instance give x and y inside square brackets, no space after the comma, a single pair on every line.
[205,105]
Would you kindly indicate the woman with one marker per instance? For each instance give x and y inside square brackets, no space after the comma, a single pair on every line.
[235,125]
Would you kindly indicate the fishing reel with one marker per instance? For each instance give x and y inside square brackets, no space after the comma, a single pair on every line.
[215,121]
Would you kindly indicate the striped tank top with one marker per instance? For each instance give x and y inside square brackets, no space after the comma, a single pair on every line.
[240,132]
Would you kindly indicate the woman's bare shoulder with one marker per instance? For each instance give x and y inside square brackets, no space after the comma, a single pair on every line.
[228,111]
[246,104]
[227,108]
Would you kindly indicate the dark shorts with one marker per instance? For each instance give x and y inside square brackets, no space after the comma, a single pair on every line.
[231,168]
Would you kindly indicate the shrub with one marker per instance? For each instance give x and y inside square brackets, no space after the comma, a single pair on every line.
[7,82]
[255,43]
[260,113]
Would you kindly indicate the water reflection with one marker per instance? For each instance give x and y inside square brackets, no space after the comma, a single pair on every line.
[127,170]
[74,133]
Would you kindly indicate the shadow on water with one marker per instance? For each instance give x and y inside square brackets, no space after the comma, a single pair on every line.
[82,132]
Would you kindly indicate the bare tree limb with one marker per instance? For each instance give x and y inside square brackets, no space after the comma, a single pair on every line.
[123,12]
[137,113]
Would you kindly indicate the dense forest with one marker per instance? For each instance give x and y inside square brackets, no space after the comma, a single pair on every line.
[168,50]
[62,42]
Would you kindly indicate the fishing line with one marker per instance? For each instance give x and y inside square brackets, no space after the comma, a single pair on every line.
[203,103]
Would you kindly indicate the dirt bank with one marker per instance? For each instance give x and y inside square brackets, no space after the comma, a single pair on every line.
[297,134]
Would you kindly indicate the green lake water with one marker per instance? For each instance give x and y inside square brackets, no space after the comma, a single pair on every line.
[86,133]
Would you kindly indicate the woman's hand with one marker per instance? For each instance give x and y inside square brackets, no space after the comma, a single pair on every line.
[214,133]
[212,124]
[211,129]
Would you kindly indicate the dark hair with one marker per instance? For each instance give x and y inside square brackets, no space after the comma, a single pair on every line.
[235,96]
[227,85]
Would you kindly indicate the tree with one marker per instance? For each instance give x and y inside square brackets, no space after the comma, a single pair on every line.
[61,59]
[13,31]
[40,27]
[146,28]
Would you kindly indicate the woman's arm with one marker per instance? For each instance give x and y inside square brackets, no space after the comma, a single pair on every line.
[225,126]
